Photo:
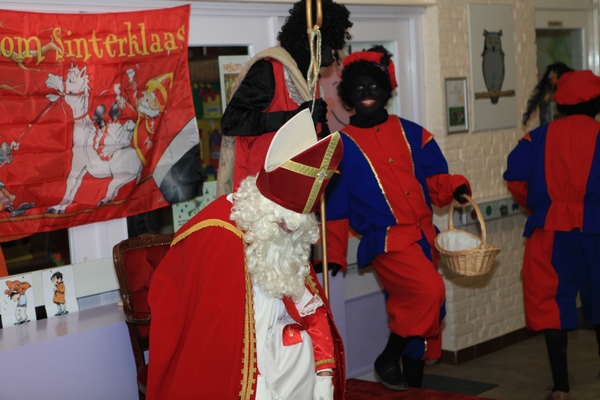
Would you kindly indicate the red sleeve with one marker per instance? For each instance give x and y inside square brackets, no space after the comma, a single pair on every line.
[441,187]
[320,333]
[327,342]
[519,192]
[337,242]
[317,325]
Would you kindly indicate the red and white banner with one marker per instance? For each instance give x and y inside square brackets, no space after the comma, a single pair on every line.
[96,117]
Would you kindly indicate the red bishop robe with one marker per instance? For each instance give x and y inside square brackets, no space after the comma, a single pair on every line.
[202,332]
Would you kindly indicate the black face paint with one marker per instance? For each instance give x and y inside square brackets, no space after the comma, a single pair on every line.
[368,97]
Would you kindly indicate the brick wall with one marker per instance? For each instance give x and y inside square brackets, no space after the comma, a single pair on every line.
[487,307]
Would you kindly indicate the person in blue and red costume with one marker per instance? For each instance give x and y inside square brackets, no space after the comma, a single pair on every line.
[391,172]
[237,310]
[273,87]
[554,173]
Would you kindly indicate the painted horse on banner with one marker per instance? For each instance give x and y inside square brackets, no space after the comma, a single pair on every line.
[123,164]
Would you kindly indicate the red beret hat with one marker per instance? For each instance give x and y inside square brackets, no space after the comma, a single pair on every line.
[298,166]
[375,58]
[577,87]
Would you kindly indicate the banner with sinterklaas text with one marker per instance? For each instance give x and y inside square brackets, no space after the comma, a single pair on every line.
[96,117]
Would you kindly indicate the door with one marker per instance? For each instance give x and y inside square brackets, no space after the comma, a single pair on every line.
[567,36]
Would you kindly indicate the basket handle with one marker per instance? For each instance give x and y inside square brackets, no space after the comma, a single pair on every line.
[479,216]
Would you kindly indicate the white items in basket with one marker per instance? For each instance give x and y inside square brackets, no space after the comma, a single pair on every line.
[463,252]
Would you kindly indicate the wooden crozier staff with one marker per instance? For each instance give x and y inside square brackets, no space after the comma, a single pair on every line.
[312,77]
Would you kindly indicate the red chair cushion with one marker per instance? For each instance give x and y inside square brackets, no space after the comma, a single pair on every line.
[140,264]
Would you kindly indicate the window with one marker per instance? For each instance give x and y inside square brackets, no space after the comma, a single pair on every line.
[206,92]
[35,252]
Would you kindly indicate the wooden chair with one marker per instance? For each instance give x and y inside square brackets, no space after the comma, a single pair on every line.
[135,260]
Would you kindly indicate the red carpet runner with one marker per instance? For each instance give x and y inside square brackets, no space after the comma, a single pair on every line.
[357,389]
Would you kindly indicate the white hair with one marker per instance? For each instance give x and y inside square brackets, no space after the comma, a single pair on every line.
[278,261]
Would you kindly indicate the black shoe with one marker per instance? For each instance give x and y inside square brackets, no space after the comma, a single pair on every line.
[390,374]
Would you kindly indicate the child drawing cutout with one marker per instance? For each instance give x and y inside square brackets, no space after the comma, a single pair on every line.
[21,310]
[17,305]
[59,293]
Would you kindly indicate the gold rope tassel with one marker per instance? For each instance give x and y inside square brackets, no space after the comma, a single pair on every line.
[312,76]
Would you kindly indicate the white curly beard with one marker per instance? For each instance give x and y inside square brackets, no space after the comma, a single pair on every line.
[278,261]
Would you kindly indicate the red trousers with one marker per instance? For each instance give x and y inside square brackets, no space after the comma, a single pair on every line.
[556,268]
[416,291]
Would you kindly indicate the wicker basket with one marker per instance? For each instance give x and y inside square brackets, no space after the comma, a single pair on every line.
[462,252]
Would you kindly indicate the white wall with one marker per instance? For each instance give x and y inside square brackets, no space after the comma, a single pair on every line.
[479,308]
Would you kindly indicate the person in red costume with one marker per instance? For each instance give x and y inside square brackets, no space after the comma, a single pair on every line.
[554,173]
[273,87]
[391,172]
[237,311]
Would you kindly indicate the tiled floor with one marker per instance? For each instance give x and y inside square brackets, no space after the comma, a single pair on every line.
[522,370]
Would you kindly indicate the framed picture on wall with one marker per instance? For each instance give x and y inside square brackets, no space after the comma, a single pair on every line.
[457,116]
[493,67]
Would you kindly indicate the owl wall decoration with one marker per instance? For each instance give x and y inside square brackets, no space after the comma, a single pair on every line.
[493,64]
[493,71]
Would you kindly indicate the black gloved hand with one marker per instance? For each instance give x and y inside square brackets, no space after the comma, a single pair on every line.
[462,189]
[324,131]
[333,267]
[319,113]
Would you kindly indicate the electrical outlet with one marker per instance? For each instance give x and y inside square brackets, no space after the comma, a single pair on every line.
[490,210]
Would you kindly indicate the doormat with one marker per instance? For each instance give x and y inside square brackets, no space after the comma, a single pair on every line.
[455,385]
[357,389]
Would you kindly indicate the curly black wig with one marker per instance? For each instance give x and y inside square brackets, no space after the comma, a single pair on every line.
[334,33]
[543,87]
[354,70]
[590,108]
